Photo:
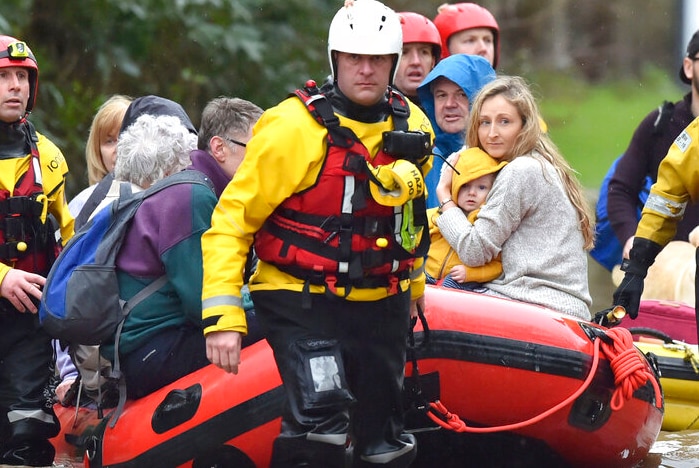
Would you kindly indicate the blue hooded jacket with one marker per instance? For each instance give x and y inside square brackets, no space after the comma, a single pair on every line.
[471,73]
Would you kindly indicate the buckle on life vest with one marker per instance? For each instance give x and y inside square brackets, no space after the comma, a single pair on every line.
[21,205]
[13,228]
[331,283]
[393,284]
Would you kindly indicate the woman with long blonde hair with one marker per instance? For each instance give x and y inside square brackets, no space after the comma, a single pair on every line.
[536,214]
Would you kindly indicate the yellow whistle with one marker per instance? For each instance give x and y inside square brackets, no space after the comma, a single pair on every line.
[21,246]
[381,242]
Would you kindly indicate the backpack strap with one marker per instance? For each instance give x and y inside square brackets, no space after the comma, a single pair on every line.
[116,369]
[100,191]
[665,111]
[182,177]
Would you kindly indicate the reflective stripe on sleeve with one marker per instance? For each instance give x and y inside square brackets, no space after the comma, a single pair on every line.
[216,301]
[665,207]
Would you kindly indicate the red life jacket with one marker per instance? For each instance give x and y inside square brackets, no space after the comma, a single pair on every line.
[26,242]
[334,233]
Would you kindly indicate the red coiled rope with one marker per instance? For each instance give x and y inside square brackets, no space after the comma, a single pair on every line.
[630,373]
[629,368]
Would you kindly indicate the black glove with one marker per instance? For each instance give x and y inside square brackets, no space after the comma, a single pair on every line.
[642,256]
[628,294]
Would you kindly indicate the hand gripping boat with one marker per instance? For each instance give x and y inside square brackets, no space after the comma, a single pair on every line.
[483,370]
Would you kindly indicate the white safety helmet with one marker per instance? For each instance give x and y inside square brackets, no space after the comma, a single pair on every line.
[365,27]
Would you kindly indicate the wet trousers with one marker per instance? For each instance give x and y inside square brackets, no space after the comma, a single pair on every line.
[342,366]
[27,420]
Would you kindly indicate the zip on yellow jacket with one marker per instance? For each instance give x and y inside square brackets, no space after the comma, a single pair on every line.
[676,187]
[53,171]
[261,184]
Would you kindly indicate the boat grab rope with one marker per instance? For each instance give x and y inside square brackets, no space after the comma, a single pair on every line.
[690,356]
[626,361]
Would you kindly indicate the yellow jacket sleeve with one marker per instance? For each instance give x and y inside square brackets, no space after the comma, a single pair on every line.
[487,272]
[676,187]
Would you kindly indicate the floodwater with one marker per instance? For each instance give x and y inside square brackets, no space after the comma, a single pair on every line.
[674,450]
[671,450]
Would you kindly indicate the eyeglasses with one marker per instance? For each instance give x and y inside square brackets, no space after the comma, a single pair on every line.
[235,142]
[693,59]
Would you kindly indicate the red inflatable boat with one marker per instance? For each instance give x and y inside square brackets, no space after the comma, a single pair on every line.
[499,377]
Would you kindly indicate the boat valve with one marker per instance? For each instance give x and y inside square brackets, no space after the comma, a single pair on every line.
[616,314]
[611,316]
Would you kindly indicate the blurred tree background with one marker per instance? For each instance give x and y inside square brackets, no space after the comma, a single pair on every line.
[193,50]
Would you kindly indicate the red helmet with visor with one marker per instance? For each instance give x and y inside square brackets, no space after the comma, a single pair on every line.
[16,53]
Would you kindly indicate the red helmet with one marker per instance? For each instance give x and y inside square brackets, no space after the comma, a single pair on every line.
[15,53]
[418,28]
[451,19]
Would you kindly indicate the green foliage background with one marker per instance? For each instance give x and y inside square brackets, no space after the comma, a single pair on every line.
[592,125]
[194,50]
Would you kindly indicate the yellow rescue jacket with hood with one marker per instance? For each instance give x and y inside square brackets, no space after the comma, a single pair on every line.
[51,177]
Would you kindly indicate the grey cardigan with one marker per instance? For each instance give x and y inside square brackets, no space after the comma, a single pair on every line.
[529,218]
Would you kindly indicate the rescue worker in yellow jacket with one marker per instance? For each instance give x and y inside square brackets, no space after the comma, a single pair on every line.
[331,193]
[32,184]
[473,178]
[676,187]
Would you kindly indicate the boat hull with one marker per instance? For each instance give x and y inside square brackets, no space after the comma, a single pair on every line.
[498,363]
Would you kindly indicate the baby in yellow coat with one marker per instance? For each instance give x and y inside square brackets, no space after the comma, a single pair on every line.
[472,181]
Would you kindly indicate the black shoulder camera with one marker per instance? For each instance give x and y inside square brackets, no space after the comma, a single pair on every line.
[410,145]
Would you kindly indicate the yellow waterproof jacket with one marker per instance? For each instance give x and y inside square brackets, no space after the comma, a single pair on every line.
[285,156]
[53,171]
[676,187]
[441,257]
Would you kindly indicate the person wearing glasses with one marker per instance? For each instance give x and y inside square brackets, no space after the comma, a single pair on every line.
[649,145]
[676,186]
[164,331]
[162,337]
[226,127]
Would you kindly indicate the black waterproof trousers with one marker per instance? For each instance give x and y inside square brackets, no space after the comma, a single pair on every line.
[342,366]
[27,420]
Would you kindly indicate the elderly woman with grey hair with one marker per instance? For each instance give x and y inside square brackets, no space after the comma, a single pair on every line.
[162,338]
[152,148]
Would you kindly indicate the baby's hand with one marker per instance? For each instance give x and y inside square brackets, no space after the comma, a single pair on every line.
[458,273]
